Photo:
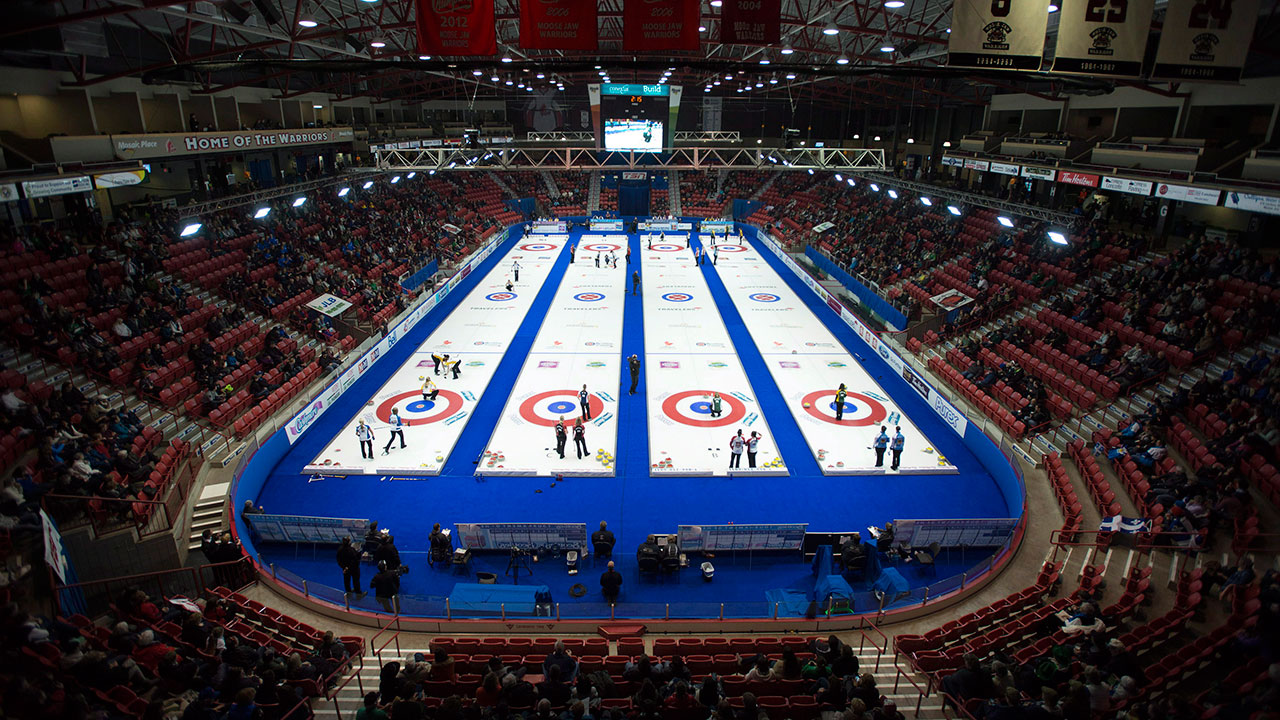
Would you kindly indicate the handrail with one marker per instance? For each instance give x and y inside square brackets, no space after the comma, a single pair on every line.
[863,637]
[395,637]
[922,694]
[332,693]
[184,578]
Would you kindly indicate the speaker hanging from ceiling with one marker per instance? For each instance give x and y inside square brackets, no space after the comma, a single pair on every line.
[269,11]
[235,11]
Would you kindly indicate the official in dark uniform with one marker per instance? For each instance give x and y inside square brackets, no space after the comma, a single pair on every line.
[611,584]
[633,364]
[602,540]
[349,561]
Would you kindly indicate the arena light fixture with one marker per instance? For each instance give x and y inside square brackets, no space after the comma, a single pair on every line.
[856,136]
[1005,221]
[764,60]
[851,182]
[831,29]
[887,47]
[520,84]
[431,172]
[511,82]
[893,193]
[369,1]
[261,213]
[810,171]
[307,21]
[540,76]
[842,60]
[1053,7]
[759,142]
[739,90]
[377,43]
[839,177]
[411,175]
[424,57]
[1057,238]
[190,229]
[299,202]
[759,83]
[368,184]
[773,80]
[494,78]
[716,83]
[875,187]
[953,210]
[317,107]
[894,4]
[453,165]
[343,192]
[528,88]
[877,138]
[946,143]
[787,49]
[477,73]
[926,201]
[717,3]
[702,28]
[706,89]
[506,57]
[911,141]
[395,179]
[791,76]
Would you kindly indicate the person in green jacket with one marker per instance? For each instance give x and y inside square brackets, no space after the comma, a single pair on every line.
[371,711]
[715,404]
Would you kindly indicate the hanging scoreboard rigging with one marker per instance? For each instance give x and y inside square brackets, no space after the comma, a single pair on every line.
[634,116]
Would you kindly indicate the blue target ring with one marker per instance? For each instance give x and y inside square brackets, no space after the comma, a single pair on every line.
[848,407]
[501,296]
[677,297]
[561,407]
[702,407]
[589,297]
[764,297]
[420,405]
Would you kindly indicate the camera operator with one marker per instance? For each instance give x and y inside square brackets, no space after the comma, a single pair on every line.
[386,585]
[440,545]
[388,553]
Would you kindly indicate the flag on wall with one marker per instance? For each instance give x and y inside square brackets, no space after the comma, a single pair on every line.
[751,22]
[456,27]
[652,25]
[558,25]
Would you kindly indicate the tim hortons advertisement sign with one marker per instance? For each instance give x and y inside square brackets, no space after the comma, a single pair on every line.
[130,147]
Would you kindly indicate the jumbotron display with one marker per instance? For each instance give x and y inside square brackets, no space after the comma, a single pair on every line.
[634,116]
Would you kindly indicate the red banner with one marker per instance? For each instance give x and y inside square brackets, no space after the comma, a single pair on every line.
[456,27]
[1078,178]
[558,25]
[651,25]
[751,22]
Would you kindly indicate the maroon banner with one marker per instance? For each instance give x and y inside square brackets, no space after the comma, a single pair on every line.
[456,27]
[558,25]
[751,22]
[1078,178]
[649,25]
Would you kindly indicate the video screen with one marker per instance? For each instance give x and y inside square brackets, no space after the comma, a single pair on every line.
[636,135]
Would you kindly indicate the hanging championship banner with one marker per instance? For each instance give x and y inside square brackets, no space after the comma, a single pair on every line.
[1205,40]
[558,25]
[751,22]
[456,27]
[1102,37]
[649,25]
[998,34]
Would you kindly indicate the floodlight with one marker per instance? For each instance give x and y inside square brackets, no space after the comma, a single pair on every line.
[893,194]
[343,192]
[926,201]
[299,202]
[953,210]
[190,229]
[1057,237]
[1005,221]
[368,184]
[261,213]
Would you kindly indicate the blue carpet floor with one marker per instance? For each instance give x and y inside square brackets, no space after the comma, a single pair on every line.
[633,503]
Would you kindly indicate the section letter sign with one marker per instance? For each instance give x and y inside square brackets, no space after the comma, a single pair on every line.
[1102,37]
[998,34]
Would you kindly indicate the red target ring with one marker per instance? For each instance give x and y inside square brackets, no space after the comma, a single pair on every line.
[667,247]
[452,404]
[571,408]
[601,247]
[877,414]
[732,248]
[671,407]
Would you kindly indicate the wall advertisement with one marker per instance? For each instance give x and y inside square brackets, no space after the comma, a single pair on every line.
[1254,203]
[306,417]
[1125,185]
[1186,193]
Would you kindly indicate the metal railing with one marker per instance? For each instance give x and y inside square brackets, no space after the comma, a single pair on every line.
[188,582]
[108,514]
[901,674]
[394,637]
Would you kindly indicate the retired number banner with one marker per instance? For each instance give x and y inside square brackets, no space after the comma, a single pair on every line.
[1102,37]
[558,25]
[1205,40]
[456,27]
[998,34]
[660,25]
[751,22]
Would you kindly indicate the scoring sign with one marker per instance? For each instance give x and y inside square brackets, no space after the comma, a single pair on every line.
[998,34]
